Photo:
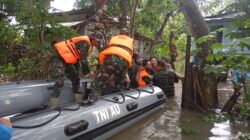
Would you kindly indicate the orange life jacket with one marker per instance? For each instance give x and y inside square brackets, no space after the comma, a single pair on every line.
[68,51]
[120,45]
[141,82]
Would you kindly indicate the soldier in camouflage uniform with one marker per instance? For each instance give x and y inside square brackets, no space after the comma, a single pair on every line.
[114,60]
[165,79]
[113,76]
[72,70]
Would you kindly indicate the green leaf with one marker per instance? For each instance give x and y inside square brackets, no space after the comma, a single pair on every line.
[245,40]
[216,46]
[210,58]
[205,39]
[218,57]
[222,30]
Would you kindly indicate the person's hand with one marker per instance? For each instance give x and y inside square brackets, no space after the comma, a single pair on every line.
[91,75]
[127,79]
[5,122]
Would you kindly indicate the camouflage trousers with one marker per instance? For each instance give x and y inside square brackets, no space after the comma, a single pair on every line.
[61,70]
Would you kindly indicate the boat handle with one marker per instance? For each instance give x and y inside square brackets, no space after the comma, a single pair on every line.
[76,127]
[160,96]
[50,88]
[132,106]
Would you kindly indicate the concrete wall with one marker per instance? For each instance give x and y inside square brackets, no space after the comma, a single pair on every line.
[226,41]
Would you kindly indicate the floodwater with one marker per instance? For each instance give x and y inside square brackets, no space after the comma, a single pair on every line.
[164,124]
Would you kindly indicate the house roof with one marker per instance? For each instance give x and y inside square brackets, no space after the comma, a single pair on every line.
[223,17]
[74,15]
[78,17]
[137,36]
[71,23]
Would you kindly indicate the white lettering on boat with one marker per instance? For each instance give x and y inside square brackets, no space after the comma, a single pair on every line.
[107,113]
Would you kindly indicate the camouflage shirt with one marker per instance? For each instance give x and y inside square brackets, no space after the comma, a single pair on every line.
[165,80]
[112,76]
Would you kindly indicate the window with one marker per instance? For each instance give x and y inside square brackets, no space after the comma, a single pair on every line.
[244,32]
[219,35]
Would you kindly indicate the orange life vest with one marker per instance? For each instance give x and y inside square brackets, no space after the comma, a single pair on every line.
[120,45]
[68,51]
[141,82]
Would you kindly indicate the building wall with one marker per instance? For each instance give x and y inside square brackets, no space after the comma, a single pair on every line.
[226,41]
[227,25]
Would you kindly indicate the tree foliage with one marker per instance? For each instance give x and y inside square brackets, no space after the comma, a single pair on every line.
[236,51]
[149,16]
[212,7]
[35,28]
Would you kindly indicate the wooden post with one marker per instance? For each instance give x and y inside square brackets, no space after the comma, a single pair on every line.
[186,85]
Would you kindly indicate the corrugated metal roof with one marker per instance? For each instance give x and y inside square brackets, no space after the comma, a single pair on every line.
[223,17]
[71,23]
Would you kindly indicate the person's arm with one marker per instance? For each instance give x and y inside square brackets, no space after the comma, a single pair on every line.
[5,122]
[147,79]
[127,79]
[176,79]
[6,131]
[154,80]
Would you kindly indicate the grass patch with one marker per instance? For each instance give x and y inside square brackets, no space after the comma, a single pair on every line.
[185,129]
[216,118]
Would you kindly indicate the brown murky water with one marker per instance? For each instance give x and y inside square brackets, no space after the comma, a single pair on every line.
[163,124]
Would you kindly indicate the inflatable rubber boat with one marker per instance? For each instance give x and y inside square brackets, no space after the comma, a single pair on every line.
[98,118]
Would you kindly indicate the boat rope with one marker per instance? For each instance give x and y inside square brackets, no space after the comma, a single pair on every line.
[123,95]
[114,101]
[41,124]
[139,91]
[59,109]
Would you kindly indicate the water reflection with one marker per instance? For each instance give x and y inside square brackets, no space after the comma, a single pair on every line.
[163,124]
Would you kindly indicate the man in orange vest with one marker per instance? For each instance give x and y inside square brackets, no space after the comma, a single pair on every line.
[114,60]
[143,77]
[73,58]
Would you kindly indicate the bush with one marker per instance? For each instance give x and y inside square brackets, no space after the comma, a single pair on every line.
[245,110]
[7,69]
[26,65]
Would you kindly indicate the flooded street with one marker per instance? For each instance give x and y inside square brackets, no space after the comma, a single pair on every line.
[165,123]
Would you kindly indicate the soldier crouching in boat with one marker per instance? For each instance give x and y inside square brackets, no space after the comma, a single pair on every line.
[73,55]
[114,60]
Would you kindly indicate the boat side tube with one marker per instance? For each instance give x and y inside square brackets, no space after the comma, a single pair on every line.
[90,119]
[23,96]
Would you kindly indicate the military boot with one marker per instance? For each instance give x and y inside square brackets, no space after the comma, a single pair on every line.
[53,102]
[78,97]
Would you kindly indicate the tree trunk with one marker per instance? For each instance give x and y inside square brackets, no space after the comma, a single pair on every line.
[100,4]
[158,34]
[171,51]
[124,14]
[132,21]
[206,85]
